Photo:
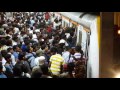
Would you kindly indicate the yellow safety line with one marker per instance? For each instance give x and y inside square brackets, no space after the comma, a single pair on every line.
[98,27]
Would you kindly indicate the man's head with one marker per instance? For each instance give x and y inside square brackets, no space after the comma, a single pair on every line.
[78,48]
[9,42]
[44,69]
[17,70]
[53,50]
[21,56]
[8,58]
[8,31]
[39,53]
[67,48]
[37,73]
[3,41]
[27,42]
[29,49]
[41,60]
[0,57]
[15,38]
[3,53]
[1,67]
[10,49]
[7,37]
[16,48]
[72,51]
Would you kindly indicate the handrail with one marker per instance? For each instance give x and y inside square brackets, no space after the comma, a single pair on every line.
[73,21]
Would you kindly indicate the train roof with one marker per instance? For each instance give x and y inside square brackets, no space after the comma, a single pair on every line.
[85,20]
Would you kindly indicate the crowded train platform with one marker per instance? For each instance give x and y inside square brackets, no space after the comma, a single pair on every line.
[35,45]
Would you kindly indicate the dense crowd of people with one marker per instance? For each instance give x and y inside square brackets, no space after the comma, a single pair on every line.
[35,45]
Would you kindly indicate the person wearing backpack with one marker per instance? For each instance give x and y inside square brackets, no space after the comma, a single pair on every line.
[80,64]
[80,69]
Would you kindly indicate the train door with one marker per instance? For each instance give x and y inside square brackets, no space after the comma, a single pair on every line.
[83,39]
[79,37]
[63,23]
[74,26]
[87,45]
[76,32]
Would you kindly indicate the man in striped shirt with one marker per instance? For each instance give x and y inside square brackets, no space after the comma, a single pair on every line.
[56,62]
[77,52]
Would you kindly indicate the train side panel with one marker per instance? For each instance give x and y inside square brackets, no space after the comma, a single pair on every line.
[93,48]
[93,61]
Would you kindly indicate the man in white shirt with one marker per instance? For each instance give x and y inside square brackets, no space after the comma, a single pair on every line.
[3,62]
[39,53]
[55,24]
[32,22]
[63,41]
[31,30]
[35,37]
[3,53]
[9,33]
[16,30]
[10,51]
[52,17]
[14,40]
[5,25]
[77,52]
[66,55]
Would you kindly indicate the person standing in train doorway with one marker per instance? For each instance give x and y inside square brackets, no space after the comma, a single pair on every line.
[56,62]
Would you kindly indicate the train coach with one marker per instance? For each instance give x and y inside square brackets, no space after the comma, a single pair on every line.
[87,28]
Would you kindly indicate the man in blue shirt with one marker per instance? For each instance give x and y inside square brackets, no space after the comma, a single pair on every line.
[2,75]
[30,57]
[24,46]
[8,66]
[16,49]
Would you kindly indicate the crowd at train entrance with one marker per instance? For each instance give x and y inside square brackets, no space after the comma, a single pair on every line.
[35,45]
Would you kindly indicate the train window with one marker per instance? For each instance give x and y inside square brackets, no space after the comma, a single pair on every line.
[74,26]
[79,37]
[87,45]
[64,24]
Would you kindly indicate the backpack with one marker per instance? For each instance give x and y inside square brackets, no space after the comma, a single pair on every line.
[80,68]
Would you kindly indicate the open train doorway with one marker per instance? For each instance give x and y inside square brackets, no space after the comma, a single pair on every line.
[83,40]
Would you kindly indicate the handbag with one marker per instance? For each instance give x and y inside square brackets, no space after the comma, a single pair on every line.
[71,64]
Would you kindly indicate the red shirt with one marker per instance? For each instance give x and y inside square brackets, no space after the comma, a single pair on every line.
[47,16]
[49,29]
